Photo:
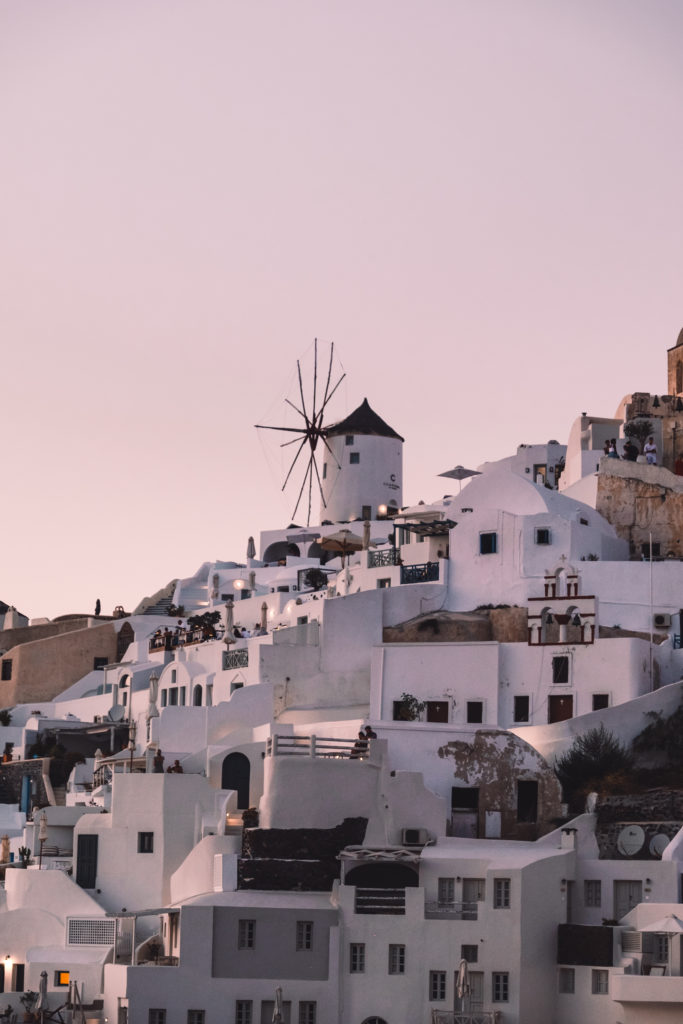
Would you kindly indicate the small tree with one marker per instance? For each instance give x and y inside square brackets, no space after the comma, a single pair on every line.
[410,708]
[638,430]
[595,759]
[315,578]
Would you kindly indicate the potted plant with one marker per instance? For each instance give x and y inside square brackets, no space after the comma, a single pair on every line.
[410,708]
[24,856]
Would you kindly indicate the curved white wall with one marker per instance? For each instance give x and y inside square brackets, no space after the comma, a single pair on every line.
[376,479]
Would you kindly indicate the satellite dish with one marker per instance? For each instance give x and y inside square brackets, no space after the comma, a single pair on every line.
[659,843]
[116,712]
[630,840]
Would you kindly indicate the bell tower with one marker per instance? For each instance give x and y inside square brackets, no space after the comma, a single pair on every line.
[675,368]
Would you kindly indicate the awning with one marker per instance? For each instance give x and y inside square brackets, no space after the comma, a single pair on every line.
[439,528]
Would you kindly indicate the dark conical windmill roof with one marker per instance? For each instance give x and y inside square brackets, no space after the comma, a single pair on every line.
[362,420]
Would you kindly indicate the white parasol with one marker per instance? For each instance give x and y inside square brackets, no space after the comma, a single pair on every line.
[229,636]
[462,983]
[277,1009]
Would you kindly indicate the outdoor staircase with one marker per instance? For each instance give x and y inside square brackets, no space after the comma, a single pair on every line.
[161,607]
[59,795]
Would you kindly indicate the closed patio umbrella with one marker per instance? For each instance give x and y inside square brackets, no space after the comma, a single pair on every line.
[462,984]
[277,1009]
[41,1002]
[229,637]
[251,548]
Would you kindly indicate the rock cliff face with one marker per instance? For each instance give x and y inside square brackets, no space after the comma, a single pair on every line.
[640,500]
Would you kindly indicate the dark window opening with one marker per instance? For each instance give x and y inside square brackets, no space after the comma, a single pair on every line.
[349,439]
[475,711]
[521,712]
[464,798]
[600,701]
[145,842]
[488,543]
[99,662]
[656,550]
[18,978]
[324,470]
[469,953]
[7,669]
[366,512]
[527,801]
[542,536]
[354,458]
[561,669]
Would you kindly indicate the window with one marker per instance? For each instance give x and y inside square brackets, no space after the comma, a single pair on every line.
[469,953]
[656,549]
[600,701]
[7,669]
[383,584]
[475,711]
[354,458]
[437,985]
[195,1017]
[324,471]
[397,959]
[145,842]
[62,979]
[366,512]
[173,697]
[592,892]
[18,978]
[181,696]
[661,943]
[243,1011]
[304,935]
[446,892]
[500,987]
[357,957]
[156,1017]
[246,933]
[302,620]
[521,712]
[348,439]
[527,801]
[599,983]
[542,536]
[561,669]
[566,981]
[437,710]
[501,893]
[174,676]
[99,662]
[307,1012]
[488,543]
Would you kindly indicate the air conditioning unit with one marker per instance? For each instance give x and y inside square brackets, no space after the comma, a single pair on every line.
[661,620]
[414,836]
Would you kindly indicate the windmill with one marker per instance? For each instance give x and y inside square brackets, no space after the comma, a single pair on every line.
[311,431]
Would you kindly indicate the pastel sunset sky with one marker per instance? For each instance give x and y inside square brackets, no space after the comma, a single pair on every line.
[477,201]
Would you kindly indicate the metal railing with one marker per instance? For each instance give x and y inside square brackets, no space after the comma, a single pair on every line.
[236,659]
[378,559]
[456,911]
[315,746]
[426,573]
[380,901]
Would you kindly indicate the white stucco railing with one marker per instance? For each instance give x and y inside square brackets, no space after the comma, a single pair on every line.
[314,746]
[467,1017]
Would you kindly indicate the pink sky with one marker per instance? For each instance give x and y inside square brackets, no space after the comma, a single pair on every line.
[478,202]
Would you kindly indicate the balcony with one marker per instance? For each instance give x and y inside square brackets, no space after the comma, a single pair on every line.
[451,911]
[426,573]
[380,559]
[645,988]
[236,659]
[466,1017]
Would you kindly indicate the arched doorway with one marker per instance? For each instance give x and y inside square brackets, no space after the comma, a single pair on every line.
[235,775]
[278,551]
[197,696]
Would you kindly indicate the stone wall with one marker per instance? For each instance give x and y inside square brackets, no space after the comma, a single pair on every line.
[638,500]
[12,773]
[296,858]
[42,669]
[505,625]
